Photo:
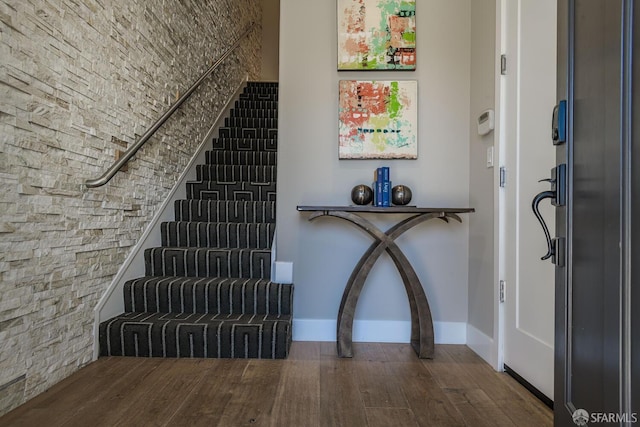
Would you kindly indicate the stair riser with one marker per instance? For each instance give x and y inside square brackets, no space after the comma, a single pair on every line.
[244,122]
[256,105]
[245,191]
[224,211]
[259,96]
[201,262]
[208,296]
[152,337]
[217,235]
[258,91]
[233,132]
[245,144]
[257,114]
[226,173]
[262,84]
[261,89]
[263,158]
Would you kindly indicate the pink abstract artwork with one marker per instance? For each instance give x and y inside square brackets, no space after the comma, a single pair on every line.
[378,119]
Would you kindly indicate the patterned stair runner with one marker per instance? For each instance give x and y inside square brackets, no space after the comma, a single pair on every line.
[206,290]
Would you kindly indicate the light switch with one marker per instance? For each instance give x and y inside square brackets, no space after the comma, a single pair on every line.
[490,157]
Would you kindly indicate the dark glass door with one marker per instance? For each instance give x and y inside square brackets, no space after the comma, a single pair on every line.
[595,352]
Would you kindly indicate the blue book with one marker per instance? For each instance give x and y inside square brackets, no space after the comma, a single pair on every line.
[386,187]
[385,173]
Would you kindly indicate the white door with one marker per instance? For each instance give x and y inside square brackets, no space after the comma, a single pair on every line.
[528,100]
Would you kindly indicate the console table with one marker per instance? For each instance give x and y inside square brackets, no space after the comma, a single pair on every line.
[421,322]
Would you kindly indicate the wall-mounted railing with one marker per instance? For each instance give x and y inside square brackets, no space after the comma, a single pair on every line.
[131,151]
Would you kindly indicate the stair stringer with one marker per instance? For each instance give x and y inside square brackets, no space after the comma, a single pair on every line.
[112,301]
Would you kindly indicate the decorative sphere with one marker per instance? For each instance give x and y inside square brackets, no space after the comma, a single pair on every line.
[362,194]
[400,195]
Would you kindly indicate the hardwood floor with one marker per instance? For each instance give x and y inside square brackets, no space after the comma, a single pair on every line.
[383,385]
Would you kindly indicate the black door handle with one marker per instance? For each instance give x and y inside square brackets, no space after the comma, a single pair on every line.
[549,194]
[558,196]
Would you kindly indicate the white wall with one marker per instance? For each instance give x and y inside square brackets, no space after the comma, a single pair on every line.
[481,183]
[270,36]
[309,173]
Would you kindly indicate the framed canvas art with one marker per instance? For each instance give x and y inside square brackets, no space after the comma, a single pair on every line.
[376,34]
[378,119]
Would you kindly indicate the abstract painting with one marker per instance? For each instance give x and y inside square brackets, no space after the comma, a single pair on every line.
[378,119]
[376,35]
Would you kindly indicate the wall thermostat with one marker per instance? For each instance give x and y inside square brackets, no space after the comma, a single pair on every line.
[486,122]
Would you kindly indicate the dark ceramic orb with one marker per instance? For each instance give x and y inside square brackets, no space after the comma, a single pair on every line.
[361,194]
[400,195]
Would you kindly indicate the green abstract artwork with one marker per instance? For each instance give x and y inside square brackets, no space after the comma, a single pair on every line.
[376,34]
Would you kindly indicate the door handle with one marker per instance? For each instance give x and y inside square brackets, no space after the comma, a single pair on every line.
[536,210]
[558,197]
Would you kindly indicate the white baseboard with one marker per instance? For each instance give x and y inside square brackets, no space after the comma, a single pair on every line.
[377,331]
[482,345]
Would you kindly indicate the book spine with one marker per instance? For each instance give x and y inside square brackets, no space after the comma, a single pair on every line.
[386,194]
[378,187]
[386,187]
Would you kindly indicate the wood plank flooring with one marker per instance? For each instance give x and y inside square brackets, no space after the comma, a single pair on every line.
[383,385]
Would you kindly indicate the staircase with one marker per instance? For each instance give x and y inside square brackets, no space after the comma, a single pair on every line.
[206,290]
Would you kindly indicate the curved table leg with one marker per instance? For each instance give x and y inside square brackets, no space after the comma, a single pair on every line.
[421,320]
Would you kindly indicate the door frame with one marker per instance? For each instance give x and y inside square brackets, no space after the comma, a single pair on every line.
[500,200]
[500,206]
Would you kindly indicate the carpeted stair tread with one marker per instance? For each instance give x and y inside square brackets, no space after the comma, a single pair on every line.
[240,190]
[231,157]
[150,334]
[223,295]
[225,210]
[217,234]
[208,262]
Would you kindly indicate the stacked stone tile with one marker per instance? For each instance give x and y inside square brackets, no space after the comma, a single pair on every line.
[206,290]
[82,80]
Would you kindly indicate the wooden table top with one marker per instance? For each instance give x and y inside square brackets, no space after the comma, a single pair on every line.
[379,209]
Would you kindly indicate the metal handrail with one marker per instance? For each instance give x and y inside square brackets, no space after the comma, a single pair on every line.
[127,155]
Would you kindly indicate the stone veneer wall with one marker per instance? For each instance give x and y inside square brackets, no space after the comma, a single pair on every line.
[80,80]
